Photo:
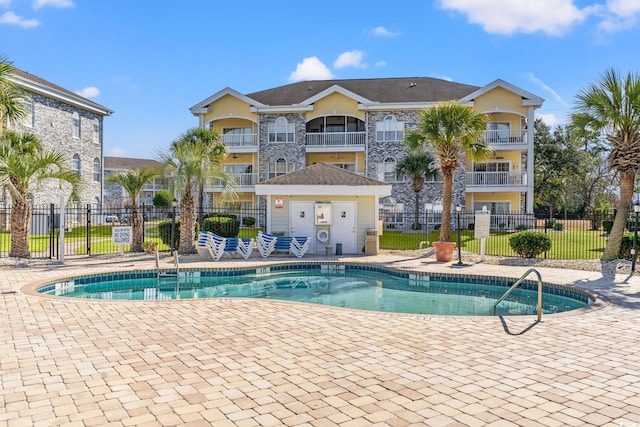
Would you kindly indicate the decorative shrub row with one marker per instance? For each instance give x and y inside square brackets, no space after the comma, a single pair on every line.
[164,232]
[529,244]
[222,225]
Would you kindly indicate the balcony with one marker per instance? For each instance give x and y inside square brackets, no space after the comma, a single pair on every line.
[496,179]
[329,141]
[243,182]
[506,136]
[241,142]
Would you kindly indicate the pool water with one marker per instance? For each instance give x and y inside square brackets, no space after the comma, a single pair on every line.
[365,289]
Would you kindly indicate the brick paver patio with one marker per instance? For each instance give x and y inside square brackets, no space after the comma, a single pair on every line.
[229,362]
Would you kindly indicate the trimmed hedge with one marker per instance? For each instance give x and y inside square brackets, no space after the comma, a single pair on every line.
[222,225]
[164,232]
[529,244]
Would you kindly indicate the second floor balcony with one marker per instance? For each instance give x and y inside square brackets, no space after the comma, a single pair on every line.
[496,179]
[322,141]
[242,182]
[506,136]
[241,141]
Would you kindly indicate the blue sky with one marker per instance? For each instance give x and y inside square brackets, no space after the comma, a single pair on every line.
[150,61]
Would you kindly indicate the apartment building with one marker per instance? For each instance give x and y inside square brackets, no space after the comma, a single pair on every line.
[71,124]
[116,198]
[359,125]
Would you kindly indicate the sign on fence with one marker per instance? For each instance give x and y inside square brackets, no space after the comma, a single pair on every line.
[121,236]
[482,222]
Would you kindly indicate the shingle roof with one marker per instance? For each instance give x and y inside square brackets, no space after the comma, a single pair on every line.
[322,174]
[67,94]
[386,90]
[123,163]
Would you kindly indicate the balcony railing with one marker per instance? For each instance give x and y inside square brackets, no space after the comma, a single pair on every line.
[511,136]
[242,181]
[496,178]
[240,140]
[336,139]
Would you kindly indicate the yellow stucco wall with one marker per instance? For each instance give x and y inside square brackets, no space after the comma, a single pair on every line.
[229,106]
[335,103]
[501,98]
[513,198]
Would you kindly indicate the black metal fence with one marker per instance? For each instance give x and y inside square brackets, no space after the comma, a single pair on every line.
[573,237]
[88,230]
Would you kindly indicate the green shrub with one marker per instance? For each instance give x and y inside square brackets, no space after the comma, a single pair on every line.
[607,224]
[558,226]
[248,221]
[625,247]
[549,223]
[471,226]
[164,232]
[521,227]
[222,225]
[529,244]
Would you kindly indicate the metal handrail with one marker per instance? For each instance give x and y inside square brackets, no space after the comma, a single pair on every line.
[176,263]
[518,283]
[157,265]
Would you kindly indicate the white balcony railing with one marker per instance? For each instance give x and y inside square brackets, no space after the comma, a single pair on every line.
[240,140]
[336,139]
[241,180]
[510,136]
[496,178]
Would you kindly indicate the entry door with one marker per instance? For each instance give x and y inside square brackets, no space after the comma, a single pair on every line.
[301,221]
[343,227]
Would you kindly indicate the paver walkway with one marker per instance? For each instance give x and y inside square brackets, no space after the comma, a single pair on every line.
[233,362]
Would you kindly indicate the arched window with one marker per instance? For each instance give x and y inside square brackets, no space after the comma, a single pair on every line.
[96,170]
[389,129]
[279,167]
[281,131]
[387,170]
[75,125]
[75,164]
[96,131]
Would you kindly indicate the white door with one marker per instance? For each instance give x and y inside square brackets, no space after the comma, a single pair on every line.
[301,221]
[343,226]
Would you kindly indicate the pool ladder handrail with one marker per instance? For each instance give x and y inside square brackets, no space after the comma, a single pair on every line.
[176,263]
[518,283]
[157,264]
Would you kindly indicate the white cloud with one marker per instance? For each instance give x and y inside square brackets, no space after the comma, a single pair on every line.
[37,4]
[381,64]
[555,94]
[5,3]
[11,18]
[310,69]
[352,58]
[619,15]
[117,152]
[553,17]
[89,92]
[383,32]
[551,120]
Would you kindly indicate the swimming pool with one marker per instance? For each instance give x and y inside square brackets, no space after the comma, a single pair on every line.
[351,285]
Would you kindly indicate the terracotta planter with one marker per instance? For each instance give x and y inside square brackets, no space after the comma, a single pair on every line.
[444,250]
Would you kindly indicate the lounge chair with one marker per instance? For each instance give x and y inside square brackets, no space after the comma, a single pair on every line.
[218,246]
[296,245]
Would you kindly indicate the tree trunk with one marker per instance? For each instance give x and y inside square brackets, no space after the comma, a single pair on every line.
[201,204]
[137,228]
[612,250]
[447,189]
[416,220]
[20,220]
[187,221]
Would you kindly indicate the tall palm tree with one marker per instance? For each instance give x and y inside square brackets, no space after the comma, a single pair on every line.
[454,131]
[11,106]
[133,182]
[192,161]
[611,107]
[214,152]
[419,166]
[24,162]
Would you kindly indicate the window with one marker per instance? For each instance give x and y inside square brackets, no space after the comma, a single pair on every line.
[387,171]
[75,164]
[76,125]
[281,131]
[96,170]
[96,131]
[389,130]
[437,178]
[277,168]
[96,204]
[498,132]
[238,137]
[491,167]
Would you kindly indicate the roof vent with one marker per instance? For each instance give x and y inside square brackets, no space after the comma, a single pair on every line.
[412,84]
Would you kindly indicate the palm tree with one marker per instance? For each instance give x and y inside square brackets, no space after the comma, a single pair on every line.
[192,161]
[11,106]
[419,166]
[133,182]
[611,107]
[215,151]
[24,162]
[454,131]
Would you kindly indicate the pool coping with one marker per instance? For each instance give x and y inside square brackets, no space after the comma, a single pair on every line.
[599,300]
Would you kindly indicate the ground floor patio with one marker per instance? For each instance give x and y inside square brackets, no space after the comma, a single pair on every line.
[238,362]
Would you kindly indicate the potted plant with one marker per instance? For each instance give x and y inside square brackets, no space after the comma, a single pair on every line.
[453,131]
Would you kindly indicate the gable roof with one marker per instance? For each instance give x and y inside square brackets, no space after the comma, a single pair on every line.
[325,179]
[124,163]
[33,83]
[528,99]
[386,90]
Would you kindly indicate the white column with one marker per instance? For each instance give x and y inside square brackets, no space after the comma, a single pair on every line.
[530,158]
